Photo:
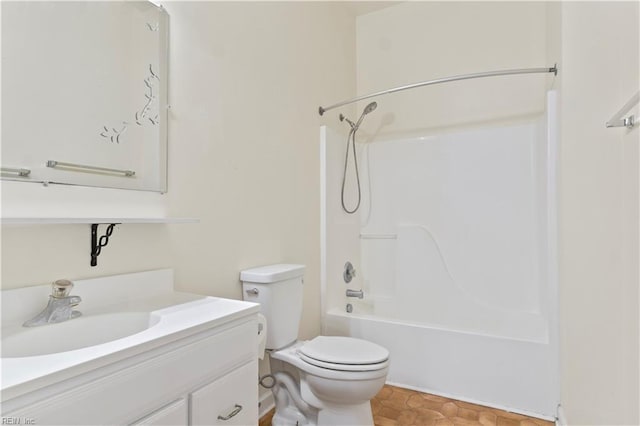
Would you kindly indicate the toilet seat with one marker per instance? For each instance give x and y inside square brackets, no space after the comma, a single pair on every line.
[344,354]
[343,367]
[292,355]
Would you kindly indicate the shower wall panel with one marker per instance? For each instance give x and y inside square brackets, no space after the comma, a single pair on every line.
[453,230]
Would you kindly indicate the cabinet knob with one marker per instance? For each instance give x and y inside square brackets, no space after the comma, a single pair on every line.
[235,411]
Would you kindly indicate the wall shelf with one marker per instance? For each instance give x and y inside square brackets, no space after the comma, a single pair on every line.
[92,220]
[97,242]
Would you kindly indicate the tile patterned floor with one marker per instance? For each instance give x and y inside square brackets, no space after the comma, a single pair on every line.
[395,406]
[266,419]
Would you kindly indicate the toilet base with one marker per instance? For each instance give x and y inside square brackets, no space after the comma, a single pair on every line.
[323,397]
[352,415]
[290,416]
[343,415]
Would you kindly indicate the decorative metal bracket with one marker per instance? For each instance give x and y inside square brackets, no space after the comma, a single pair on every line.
[97,244]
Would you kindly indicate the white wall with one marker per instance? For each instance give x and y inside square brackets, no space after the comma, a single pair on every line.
[247,79]
[418,41]
[599,258]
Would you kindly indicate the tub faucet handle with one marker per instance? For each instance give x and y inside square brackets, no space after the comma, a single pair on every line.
[349,272]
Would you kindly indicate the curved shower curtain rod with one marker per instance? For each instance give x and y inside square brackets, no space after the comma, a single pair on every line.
[553,69]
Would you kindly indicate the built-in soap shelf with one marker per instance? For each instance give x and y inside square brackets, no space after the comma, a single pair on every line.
[97,243]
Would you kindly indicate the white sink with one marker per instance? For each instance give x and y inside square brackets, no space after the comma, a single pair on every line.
[82,332]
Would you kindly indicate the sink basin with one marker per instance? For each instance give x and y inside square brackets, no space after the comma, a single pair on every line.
[74,334]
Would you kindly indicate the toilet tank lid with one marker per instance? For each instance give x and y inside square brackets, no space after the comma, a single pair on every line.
[272,273]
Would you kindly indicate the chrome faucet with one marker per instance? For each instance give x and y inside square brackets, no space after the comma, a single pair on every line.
[60,306]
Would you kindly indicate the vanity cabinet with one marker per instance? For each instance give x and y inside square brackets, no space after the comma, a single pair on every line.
[206,377]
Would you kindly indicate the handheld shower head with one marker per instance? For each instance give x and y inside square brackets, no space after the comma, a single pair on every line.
[351,139]
[369,108]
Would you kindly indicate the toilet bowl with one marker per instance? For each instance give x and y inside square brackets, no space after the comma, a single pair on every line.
[338,383]
[328,380]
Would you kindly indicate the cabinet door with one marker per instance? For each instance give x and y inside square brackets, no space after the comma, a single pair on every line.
[169,415]
[230,400]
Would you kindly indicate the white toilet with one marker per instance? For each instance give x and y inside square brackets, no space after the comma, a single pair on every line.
[328,380]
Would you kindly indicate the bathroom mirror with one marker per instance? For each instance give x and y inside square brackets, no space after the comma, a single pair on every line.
[84,93]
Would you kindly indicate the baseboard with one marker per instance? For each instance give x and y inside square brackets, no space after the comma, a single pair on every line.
[266,403]
[561,419]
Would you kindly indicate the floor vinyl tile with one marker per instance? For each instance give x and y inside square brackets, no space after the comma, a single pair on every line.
[394,406]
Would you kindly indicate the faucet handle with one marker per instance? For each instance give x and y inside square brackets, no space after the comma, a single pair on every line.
[349,272]
[61,288]
[74,300]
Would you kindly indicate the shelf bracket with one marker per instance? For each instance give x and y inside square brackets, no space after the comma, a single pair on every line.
[98,243]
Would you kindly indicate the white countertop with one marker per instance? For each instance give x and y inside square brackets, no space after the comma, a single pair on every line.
[177,314]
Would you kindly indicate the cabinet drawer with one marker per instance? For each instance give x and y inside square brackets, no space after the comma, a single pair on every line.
[230,400]
[170,415]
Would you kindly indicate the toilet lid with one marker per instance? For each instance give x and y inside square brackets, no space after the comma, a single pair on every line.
[344,367]
[343,350]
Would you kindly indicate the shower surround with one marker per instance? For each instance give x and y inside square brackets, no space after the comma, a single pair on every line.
[455,247]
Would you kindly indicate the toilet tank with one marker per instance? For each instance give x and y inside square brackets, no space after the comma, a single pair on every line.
[278,289]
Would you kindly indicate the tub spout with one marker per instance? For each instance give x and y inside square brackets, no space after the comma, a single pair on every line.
[355,293]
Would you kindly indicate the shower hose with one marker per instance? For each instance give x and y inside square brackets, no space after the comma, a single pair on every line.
[351,139]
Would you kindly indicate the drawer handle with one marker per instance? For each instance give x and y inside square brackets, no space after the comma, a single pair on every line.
[235,411]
